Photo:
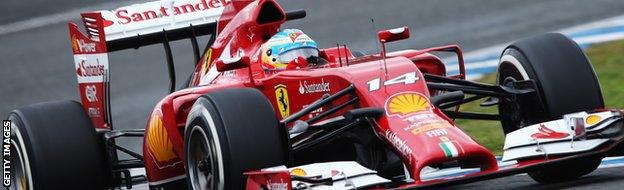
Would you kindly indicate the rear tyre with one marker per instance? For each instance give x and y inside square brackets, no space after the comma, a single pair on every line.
[230,132]
[56,147]
[566,83]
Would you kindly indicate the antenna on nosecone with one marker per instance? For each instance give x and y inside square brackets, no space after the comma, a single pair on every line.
[374,33]
[378,50]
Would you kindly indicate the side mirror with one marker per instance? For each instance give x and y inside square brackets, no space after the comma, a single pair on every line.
[232,63]
[393,34]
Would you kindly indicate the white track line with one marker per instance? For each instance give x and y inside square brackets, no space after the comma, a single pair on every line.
[58,17]
[432,173]
[600,38]
[497,49]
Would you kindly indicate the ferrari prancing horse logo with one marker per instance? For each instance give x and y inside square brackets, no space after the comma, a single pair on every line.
[281,96]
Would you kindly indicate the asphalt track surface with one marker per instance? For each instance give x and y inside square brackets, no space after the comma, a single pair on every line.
[36,64]
[604,178]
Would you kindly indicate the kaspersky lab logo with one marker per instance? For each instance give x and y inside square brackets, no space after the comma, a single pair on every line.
[306,88]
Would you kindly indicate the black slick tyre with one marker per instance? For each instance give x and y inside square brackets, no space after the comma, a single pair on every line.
[229,132]
[56,147]
[565,83]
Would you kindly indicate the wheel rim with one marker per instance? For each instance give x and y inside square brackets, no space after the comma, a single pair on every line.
[19,178]
[201,161]
[514,106]
[22,176]
[511,73]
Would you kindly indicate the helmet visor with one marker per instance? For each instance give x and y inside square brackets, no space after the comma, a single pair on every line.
[305,53]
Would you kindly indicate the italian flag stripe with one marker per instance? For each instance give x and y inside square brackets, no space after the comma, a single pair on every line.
[449,149]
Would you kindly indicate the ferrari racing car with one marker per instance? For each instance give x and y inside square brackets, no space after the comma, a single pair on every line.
[266,108]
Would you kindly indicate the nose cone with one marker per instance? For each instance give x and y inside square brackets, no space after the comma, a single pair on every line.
[424,136]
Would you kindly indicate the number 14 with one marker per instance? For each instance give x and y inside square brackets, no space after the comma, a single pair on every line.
[407,78]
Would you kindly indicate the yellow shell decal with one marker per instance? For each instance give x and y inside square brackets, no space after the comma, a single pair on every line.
[281,97]
[298,172]
[158,141]
[206,64]
[406,103]
[74,41]
[592,119]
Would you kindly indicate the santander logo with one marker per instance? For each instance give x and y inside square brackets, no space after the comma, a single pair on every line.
[127,15]
[546,133]
[89,70]
[306,88]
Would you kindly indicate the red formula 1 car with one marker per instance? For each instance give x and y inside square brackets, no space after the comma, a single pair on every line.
[351,121]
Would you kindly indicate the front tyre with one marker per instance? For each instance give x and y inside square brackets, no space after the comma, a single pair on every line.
[565,83]
[565,171]
[230,132]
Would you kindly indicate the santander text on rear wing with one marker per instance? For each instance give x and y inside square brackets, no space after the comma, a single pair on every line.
[149,23]
[132,27]
[153,17]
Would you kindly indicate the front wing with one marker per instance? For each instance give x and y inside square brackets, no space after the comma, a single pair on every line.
[526,150]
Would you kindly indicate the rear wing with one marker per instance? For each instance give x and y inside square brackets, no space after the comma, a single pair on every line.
[132,27]
[140,25]
[150,23]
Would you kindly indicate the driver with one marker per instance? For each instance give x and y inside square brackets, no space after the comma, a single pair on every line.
[289,49]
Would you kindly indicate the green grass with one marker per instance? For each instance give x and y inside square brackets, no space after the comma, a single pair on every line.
[608,62]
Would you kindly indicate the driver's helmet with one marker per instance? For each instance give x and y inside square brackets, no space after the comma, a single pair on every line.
[285,46]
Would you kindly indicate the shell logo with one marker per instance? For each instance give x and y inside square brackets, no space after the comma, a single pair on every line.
[592,119]
[298,172]
[74,41]
[206,65]
[405,103]
[158,141]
